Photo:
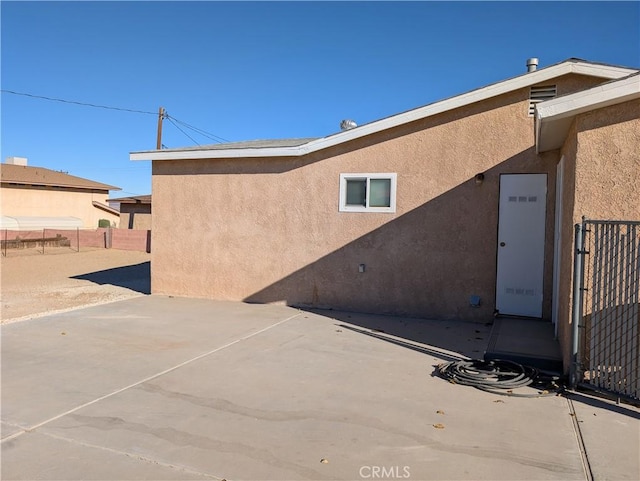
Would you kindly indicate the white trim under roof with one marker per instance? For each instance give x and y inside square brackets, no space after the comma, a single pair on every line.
[572,66]
[106,208]
[554,117]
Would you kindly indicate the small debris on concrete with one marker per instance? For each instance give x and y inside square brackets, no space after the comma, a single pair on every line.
[438,426]
[324,461]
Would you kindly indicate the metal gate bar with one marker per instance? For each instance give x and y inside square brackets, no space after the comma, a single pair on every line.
[606,313]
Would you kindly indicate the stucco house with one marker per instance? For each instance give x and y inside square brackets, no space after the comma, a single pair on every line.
[36,198]
[459,209]
[135,211]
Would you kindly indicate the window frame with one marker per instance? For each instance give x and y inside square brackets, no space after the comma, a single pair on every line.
[344,207]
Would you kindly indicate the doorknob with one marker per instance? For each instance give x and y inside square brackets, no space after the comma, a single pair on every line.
[502,244]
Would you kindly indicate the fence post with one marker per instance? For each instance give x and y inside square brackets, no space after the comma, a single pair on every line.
[578,293]
[43,237]
[4,250]
[78,238]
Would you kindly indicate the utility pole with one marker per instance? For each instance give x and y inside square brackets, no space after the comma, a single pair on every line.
[161,115]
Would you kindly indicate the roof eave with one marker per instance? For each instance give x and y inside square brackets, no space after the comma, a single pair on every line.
[178,154]
[65,186]
[554,117]
[105,208]
[493,90]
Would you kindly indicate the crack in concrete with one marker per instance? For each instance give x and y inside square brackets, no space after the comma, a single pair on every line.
[582,448]
[186,439]
[353,419]
[135,456]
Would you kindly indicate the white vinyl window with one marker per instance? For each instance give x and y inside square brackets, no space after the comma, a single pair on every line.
[368,192]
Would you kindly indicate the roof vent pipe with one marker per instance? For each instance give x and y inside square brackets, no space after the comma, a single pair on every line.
[532,64]
[347,124]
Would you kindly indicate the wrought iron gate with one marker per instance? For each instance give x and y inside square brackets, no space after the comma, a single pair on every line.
[606,307]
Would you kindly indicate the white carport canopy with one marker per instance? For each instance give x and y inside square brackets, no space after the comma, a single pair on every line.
[38,223]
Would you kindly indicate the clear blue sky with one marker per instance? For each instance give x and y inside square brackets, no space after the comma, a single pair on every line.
[256,70]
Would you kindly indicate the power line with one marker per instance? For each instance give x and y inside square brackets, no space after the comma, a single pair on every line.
[176,126]
[200,131]
[76,103]
[145,167]
[173,120]
[132,193]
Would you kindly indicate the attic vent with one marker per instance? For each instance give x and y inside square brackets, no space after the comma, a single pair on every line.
[540,94]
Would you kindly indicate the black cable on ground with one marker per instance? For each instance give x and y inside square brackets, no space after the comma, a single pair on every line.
[498,377]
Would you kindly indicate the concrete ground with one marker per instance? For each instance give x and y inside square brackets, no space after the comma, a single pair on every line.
[164,388]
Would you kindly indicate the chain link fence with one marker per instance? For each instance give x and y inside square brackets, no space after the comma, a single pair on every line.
[606,314]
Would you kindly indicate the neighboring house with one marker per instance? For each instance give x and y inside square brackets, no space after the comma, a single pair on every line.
[445,211]
[35,197]
[135,212]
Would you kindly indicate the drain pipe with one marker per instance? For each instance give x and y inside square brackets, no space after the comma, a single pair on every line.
[578,290]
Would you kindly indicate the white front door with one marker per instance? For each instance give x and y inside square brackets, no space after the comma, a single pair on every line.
[521,232]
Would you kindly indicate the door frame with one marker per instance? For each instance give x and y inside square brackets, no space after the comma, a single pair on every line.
[557,244]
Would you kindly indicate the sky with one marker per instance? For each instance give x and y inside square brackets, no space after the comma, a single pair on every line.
[241,70]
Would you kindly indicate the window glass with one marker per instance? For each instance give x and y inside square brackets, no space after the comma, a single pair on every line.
[356,192]
[368,192]
[380,193]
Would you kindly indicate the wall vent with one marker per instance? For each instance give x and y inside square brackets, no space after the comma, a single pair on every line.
[540,94]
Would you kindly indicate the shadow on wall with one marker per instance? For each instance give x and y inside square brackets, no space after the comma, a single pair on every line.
[135,277]
[426,263]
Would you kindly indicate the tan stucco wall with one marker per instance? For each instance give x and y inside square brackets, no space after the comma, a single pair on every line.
[44,202]
[602,182]
[135,216]
[608,163]
[269,230]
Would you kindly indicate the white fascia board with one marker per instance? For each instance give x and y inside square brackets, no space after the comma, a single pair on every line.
[192,154]
[604,71]
[594,98]
[522,81]
[556,115]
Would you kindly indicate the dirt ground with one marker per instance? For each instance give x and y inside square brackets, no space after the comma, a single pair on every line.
[34,284]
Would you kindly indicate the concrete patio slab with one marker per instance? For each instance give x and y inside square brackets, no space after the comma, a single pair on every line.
[75,357]
[527,341]
[40,456]
[611,435]
[166,388]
